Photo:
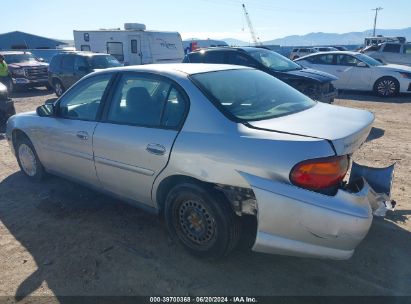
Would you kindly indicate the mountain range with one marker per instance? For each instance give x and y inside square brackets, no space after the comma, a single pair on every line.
[320,38]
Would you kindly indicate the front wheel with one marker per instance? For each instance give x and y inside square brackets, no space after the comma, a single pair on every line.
[386,87]
[201,220]
[58,87]
[28,160]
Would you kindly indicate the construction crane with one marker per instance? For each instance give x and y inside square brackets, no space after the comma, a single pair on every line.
[250,26]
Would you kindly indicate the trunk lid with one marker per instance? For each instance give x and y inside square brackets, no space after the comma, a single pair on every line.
[346,128]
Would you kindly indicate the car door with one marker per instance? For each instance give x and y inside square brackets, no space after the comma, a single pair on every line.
[133,142]
[66,138]
[354,75]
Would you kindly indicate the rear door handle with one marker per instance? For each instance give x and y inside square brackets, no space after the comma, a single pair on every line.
[82,135]
[156,149]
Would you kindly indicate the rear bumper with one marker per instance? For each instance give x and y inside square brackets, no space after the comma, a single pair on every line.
[298,222]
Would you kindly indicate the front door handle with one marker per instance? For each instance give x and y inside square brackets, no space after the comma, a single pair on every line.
[82,135]
[156,149]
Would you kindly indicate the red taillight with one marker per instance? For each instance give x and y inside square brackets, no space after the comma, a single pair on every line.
[320,173]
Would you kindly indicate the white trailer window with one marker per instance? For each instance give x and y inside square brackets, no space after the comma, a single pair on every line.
[116,50]
[134,46]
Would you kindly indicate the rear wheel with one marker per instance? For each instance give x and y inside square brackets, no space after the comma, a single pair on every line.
[386,87]
[58,87]
[201,220]
[28,160]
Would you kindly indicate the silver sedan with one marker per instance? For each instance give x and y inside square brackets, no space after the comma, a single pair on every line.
[205,145]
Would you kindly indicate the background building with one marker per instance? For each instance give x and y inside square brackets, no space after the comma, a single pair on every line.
[20,40]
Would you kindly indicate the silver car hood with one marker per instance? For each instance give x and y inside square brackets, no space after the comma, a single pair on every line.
[345,128]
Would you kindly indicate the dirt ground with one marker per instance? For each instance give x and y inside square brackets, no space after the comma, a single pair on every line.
[58,238]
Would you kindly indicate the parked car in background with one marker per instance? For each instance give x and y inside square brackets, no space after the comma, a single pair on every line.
[356,71]
[300,52]
[67,68]
[6,106]
[26,70]
[205,145]
[395,53]
[315,84]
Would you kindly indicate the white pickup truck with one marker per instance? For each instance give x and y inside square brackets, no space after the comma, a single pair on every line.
[394,53]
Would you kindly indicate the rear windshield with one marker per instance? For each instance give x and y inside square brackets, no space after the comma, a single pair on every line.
[103,62]
[248,95]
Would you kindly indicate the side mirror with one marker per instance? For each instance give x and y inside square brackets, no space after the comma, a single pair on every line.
[46,110]
[362,65]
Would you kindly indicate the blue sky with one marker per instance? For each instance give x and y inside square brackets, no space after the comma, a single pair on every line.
[203,18]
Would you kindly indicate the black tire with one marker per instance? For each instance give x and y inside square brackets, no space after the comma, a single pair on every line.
[25,143]
[387,87]
[58,87]
[215,229]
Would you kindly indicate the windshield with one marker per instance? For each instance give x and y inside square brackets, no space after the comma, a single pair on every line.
[18,58]
[368,60]
[274,61]
[248,94]
[103,62]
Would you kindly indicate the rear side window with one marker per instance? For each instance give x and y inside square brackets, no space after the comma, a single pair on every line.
[134,46]
[146,101]
[67,63]
[214,57]
[321,59]
[392,48]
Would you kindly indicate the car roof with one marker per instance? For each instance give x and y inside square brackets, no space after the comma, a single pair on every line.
[175,68]
[330,52]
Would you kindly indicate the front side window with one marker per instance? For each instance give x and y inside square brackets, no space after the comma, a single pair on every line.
[67,63]
[146,101]
[248,94]
[83,100]
[346,60]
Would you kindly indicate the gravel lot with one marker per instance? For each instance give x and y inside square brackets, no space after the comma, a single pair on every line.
[58,238]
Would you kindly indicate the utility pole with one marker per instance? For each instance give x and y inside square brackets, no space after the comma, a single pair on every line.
[377,9]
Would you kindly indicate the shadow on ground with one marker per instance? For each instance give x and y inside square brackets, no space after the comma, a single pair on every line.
[85,243]
[368,96]
[30,92]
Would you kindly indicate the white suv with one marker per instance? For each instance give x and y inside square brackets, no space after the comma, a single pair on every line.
[397,53]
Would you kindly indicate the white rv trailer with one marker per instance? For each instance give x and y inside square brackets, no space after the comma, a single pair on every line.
[133,45]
